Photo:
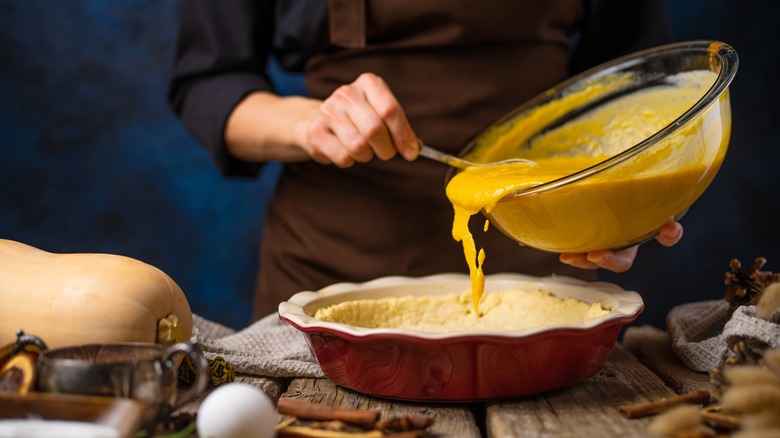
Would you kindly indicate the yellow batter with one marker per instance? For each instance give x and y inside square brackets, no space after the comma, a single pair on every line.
[588,208]
[513,309]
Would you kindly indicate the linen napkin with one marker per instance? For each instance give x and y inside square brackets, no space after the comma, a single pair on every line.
[701,333]
[266,348]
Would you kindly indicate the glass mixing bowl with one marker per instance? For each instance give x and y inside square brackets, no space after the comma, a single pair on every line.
[647,177]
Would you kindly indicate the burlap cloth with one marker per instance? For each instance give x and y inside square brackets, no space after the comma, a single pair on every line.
[266,348]
[701,333]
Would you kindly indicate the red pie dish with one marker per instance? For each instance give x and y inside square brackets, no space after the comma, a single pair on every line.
[461,365]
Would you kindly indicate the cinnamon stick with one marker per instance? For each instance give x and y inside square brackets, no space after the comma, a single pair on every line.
[303,409]
[658,406]
[714,416]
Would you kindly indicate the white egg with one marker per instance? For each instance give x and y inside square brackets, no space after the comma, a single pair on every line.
[236,410]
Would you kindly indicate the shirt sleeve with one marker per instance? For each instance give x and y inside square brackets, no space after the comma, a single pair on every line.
[613,28]
[221,55]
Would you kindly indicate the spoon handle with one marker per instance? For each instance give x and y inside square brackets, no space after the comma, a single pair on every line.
[437,155]
[460,163]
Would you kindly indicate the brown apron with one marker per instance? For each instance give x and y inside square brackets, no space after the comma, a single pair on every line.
[456,66]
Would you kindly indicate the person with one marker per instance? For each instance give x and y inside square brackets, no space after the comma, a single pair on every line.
[353,201]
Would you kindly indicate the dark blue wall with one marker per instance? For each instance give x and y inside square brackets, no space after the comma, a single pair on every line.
[738,216]
[93,160]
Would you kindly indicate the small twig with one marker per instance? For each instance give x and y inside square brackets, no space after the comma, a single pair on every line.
[313,411]
[655,407]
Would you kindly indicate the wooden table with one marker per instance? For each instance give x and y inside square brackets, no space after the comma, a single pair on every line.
[642,368]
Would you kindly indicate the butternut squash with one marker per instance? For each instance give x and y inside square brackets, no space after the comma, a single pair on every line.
[84,298]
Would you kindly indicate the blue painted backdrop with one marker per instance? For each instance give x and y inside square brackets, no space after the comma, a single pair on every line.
[93,160]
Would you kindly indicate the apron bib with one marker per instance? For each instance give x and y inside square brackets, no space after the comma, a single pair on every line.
[456,66]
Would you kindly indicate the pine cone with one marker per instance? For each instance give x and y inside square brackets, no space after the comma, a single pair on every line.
[745,287]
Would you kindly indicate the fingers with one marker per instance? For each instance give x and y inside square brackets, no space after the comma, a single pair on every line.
[670,234]
[357,125]
[615,261]
[389,110]
[358,122]
[621,261]
[326,148]
[577,260]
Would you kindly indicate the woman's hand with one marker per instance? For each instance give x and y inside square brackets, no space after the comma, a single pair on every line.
[358,122]
[621,261]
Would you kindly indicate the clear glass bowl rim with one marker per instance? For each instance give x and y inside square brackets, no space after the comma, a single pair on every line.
[729,62]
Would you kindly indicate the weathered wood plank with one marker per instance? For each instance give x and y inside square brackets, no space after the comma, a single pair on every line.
[587,409]
[450,419]
[650,345]
[272,387]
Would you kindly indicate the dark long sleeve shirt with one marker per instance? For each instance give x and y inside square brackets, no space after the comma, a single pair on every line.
[224,48]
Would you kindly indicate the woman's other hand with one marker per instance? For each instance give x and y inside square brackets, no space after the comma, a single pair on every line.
[358,122]
[621,261]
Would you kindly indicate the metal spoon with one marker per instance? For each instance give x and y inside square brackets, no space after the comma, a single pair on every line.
[460,163]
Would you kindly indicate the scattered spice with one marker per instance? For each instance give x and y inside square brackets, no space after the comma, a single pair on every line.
[746,388]
[322,429]
[743,355]
[718,418]
[405,423]
[664,404]
[315,411]
[748,399]
[321,421]
[220,372]
[679,420]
